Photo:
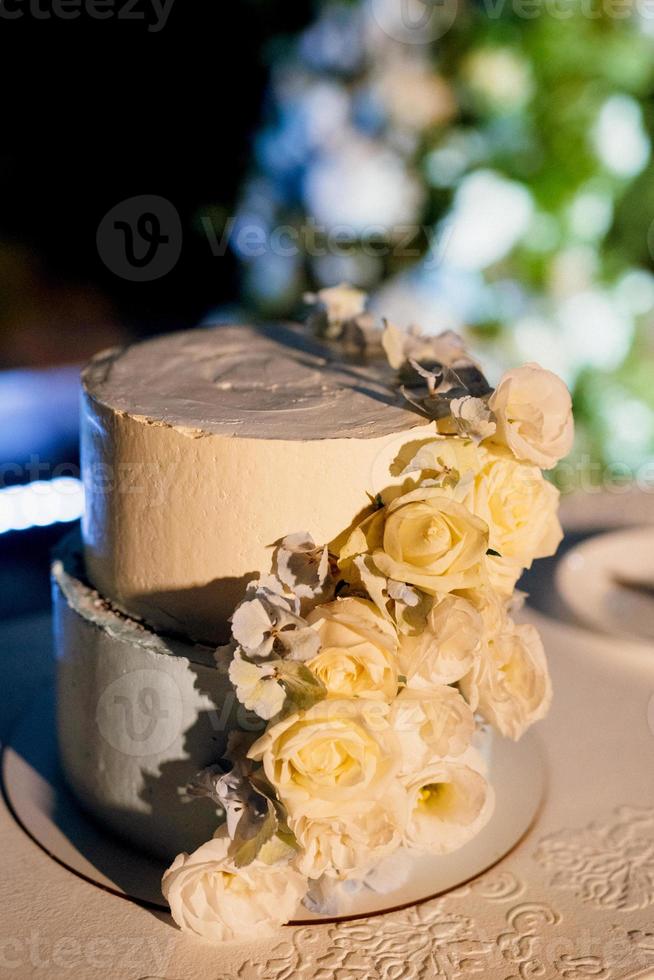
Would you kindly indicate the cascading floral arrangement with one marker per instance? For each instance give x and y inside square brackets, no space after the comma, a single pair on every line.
[375,660]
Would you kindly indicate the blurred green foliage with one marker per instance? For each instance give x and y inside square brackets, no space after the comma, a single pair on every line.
[548,114]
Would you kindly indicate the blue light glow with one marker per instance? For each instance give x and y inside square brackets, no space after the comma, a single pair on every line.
[39,412]
[41,503]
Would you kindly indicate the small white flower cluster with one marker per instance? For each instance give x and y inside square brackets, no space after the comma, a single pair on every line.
[530,412]
[271,640]
[369,661]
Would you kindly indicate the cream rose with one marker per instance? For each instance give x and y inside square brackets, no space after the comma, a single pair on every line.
[431,724]
[210,897]
[446,647]
[337,751]
[346,843]
[423,538]
[358,656]
[449,803]
[533,414]
[516,502]
[510,684]
[520,508]
[492,607]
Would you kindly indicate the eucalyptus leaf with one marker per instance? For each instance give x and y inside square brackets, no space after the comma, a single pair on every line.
[286,835]
[245,848]
[265,788]
[303,689]
[263,785]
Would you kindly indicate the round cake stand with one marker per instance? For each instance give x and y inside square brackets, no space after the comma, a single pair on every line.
[41,803]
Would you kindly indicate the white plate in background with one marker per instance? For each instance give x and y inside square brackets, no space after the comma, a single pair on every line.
[589,579]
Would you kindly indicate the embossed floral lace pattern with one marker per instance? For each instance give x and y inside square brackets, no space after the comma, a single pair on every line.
[498,927]
[609,863]
[509,936]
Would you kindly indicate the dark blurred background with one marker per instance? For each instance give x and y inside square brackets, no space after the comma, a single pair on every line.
[481,166]
[95,112]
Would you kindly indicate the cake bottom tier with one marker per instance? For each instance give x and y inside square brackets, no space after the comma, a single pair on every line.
[138,714]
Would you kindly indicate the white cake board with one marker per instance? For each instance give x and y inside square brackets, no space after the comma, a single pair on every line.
[48,813]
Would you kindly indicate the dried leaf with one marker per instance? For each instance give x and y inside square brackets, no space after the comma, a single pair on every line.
[472,417]
[445,349]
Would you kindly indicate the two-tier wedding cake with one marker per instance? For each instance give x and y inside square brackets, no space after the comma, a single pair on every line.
[290,607]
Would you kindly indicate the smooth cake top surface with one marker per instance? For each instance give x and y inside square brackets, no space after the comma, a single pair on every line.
[269,382]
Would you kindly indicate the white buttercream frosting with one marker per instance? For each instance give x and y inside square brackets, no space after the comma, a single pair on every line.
[138,715]
[202,449]
[260,383]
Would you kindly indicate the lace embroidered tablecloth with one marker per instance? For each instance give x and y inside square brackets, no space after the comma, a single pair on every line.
[575,899]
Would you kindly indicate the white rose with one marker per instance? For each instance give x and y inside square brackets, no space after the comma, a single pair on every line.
[449,803]
[347,842]
[447,646]
[425,539]
[429,724]
[492,607]
[520,508]
[515,501]
[510,684]
[533,414]
[210,897]
[358,656]
[337,751]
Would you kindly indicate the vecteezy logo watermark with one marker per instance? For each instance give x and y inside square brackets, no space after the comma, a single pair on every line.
[154,13]
[141,713]
[251,240]
[415,21]
[140,239]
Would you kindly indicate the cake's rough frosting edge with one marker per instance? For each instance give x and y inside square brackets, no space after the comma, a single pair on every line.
[67,574]
[171,382]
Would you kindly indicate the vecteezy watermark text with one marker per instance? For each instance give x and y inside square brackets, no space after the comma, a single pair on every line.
[566,9]
[140,239]
[420,22]
[153,13]
[117,956]
[138,477]
[251,240]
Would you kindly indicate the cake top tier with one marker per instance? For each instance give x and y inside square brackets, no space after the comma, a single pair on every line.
[260,383]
